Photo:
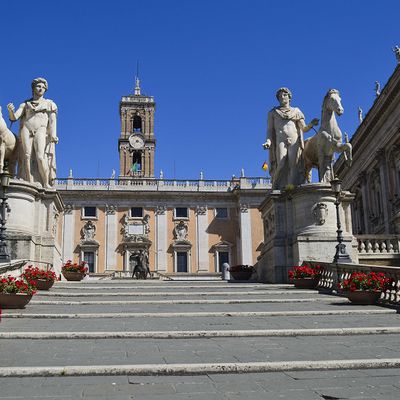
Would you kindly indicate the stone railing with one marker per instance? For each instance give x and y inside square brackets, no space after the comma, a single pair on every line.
[379,249]
[333,274]
[378,244]
[162,184]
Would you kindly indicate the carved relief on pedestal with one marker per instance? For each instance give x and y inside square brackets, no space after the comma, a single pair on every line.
[320,213]
[56,215]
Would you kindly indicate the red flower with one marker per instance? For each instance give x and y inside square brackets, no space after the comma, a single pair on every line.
[305,271]
[372,281]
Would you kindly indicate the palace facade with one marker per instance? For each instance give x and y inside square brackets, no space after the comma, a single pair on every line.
[179,226]
[374,178]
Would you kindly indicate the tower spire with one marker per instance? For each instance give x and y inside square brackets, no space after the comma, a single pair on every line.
[137,80]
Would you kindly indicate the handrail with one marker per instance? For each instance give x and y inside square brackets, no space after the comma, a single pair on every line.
[333,274]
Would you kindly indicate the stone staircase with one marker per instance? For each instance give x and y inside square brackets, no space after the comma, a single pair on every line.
[125,339]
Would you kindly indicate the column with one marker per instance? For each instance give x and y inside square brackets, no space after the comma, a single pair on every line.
[202,239]
[111,238]
[68,235]
[161,239]
[246,245]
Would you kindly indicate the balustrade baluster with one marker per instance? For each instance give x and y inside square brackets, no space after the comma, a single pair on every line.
[369,246]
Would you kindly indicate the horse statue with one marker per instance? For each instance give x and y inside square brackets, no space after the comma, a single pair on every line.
[319,150]
[8,147]
[139,265]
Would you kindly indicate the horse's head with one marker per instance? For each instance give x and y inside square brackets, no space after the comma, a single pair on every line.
[333,102]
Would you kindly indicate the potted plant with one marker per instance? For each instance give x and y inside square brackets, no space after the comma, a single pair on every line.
[305,276]
[74,271]
[365,288]
[44,280]
[15,292]
[241,272]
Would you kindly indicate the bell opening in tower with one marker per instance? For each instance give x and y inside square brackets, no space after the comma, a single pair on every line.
[136,162]
[137,124]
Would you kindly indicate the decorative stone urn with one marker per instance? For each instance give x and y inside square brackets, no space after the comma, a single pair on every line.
[14,300]
[363,297]
[73,276]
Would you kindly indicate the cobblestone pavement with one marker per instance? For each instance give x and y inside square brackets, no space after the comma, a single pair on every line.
[298,310]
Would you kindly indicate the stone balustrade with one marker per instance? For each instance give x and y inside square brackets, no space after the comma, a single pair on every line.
[63,184]
[333,274]
[379,249]
[378,244]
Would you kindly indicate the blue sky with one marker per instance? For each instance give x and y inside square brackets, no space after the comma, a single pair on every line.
[212,66]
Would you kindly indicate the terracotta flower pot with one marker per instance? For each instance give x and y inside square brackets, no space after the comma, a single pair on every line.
[305,283]
[73,276]
[363,297]
[43,284]
[14,300]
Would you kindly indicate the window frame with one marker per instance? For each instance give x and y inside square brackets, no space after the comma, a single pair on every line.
[221,208]
[84,216]
[133,216]
[187,213]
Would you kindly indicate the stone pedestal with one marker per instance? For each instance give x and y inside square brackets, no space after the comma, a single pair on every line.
[300,225]
[34,224]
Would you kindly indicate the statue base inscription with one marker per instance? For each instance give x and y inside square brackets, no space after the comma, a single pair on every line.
[300,225]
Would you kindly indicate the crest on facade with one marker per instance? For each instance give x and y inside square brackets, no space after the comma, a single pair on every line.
[320,213]
[88,232]
[181,231]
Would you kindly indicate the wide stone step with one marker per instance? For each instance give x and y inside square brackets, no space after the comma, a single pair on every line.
[200,368]
[196,334]
[292,385]
[53,352]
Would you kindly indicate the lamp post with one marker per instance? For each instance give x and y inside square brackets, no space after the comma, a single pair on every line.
[341,255]
[4,209]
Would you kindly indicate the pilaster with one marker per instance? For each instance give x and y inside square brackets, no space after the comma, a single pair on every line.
[202,239]
[161,239]
[246,245]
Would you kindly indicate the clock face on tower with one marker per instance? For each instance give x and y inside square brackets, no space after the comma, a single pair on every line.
[136,142]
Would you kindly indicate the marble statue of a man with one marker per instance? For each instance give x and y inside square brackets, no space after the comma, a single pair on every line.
[285,141]
[38,132]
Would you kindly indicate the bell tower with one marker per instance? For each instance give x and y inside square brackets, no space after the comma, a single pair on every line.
[136,143]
